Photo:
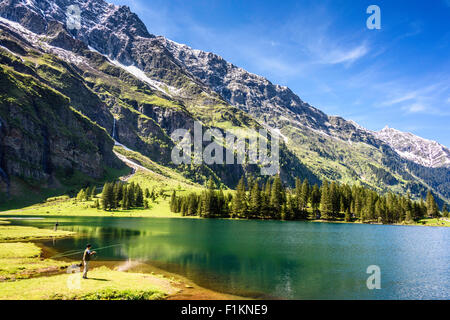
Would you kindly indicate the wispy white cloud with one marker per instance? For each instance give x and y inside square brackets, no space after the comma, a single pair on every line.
[424,99]
[415,108]
[339,55]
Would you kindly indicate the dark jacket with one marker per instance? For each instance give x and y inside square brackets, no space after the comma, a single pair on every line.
[87,255]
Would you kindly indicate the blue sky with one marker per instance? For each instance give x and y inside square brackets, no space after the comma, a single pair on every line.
[397,76]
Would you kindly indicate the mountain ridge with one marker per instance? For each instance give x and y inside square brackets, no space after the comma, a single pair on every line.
[205,86]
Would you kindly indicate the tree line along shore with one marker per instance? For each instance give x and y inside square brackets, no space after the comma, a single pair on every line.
[254,199]
[330,201]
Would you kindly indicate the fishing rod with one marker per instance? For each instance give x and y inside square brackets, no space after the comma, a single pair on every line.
[71,253]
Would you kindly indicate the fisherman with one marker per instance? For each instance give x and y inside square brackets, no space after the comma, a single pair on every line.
[86,258]
[56,226]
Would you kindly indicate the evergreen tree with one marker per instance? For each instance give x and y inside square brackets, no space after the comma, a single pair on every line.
[432,208]
[315,199]
[192,204]
[116,195]
[305,194]
[291,208]
[173,202]
[326,205]
[240,200]
[445,211]
[335,199]
[255,201]
[139,201]
[125,203]
[222,204]
[153,195]
[87,194]
[346,202]
[93,192]
[276,199]
[81,195]
[107,196]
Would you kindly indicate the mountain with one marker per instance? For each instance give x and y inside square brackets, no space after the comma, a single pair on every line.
[424,152]
[118,75]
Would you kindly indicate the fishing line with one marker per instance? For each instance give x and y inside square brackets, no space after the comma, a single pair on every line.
[71,253]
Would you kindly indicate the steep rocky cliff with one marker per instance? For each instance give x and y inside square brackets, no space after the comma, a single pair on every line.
[43,139]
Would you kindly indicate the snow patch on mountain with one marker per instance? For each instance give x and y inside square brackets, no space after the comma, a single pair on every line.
[138,73]
[419,150]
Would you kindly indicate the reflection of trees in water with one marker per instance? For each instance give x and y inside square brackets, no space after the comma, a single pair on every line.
[237,268]
[104,233]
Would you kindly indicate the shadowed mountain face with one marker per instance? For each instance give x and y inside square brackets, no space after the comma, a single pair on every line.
[113,67]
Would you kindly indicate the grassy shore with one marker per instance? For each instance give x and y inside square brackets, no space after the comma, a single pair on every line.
[15,233]
[158,209]
[24,274]
[22,260]
[103,284]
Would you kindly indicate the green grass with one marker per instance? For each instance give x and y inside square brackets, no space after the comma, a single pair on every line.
[24,275]
[22,260]
[434,222]
[158,209]
[18,233]
[19,250]
[103,283]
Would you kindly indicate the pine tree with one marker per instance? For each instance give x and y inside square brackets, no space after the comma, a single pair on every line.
[326,205]
[192,204]
[315,199]
[276,198]
[305,194]
[81,195]
[125,204]
[335,199]
[222,204]
[240,200]
[346,201]
[107,196]
[93,192]
[255,201]
[432,208]
[139,200]
[87,193]
[116,195]
[291,207]
[130,195]
[173,201]
[445,211]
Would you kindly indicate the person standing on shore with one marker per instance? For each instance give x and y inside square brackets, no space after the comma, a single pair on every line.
[86,258]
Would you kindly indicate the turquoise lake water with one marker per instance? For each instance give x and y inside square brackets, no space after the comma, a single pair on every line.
[273,259]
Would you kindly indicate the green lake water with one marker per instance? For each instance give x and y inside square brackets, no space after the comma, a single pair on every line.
[272,259]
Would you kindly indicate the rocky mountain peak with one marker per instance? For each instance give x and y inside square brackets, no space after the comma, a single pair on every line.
[419,150]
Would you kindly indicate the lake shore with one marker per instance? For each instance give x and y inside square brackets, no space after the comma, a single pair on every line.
[161,210]
[26,268]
